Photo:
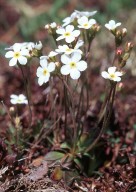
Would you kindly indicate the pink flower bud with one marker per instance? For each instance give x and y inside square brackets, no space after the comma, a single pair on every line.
[119,52]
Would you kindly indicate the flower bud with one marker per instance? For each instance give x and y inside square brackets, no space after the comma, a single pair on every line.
[124,32]
[126,56]
[12,111]
[119,52]
[129,47]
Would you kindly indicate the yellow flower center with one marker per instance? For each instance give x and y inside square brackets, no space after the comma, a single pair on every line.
[19,101]
[72,65]
[86,25]
[67,34]
[68,49]
[45,72]
[16,54]
[112,76]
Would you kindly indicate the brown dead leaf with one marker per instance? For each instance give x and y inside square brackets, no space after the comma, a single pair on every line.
[39,172]
[38,161]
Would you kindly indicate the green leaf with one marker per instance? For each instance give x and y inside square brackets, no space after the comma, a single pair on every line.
[78,163]
[54,155]
[65,146]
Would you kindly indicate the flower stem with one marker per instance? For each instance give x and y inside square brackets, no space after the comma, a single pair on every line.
[106,117]
[27,95]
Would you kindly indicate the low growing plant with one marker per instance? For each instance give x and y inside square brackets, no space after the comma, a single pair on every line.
[67,67]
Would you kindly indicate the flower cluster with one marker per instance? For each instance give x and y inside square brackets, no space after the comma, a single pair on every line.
[69,58]
[76,15]
[20,52]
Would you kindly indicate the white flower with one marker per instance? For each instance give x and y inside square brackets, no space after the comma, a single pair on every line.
[68,50]
[17,55]
[73,65]
[70,19]
[77,14]
[18,99]
[112,74]
[85,13]
[85,23]
[69,34]
[112,25]
[43,72]
[30,46]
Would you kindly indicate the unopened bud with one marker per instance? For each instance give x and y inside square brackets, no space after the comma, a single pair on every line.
[96,27]
[124,32]
[129,47]
[126,56]
[12,111]
[118,33]
[47,26]
[119,52]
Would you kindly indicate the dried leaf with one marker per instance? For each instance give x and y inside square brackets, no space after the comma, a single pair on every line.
[57,174]
[39,172]
[38,161]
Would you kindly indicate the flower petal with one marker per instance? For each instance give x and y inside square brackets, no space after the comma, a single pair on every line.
[41,80]
[65,70]
[65,59]
[69,28]
[117,79]
[51,67]
[105,75]
[43,61]
[22,60]
[13,101]
[81,65]
[74,74]
[39,71]
[76,33]
[9,54]
[17,47]
[79,44]
[60,31]
[118,73]
[24,52]
[13,96]
[83,20]
[76,57]
[92,21]
[69,39]
[13,61]
[111,70]
[60,38]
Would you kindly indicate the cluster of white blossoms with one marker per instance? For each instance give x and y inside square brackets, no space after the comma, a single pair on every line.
[18,99]
[76,15]
[67,58]
[20,52]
